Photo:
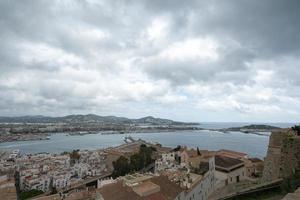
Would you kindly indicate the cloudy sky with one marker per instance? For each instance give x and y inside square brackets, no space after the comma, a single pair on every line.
[234,60]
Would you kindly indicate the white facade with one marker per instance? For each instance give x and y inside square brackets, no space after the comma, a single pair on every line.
[167,161]
[104,182]
[61,181]
[168,156]
[80,169]
[205,187]
[36,171]
[27,173]
[40,183]
[225,178]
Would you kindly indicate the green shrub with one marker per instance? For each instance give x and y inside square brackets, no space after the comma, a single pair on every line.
[138,161]
[30,194]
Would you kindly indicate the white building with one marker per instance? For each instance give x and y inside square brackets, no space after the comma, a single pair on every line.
[60,182]
[38,183]
[103,182]
[200,187]
[26,174]
[229,170]
[80,169]
[167,161]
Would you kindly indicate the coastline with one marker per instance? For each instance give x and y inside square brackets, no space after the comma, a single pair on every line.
[38,137]
[12,137]
[204,139]
[23,137]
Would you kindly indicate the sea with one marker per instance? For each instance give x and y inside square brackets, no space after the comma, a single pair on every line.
[252,144]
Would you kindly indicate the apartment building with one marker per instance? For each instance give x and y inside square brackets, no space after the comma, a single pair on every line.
[229,170]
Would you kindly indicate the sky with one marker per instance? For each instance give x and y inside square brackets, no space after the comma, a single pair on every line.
[227,61]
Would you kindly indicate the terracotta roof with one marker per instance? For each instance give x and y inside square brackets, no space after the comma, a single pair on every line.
[255,160]
[192,153]
[162,149]
[168,188]
[156,196]
[117,191]
[83,195]
[226,151]
[146,188]
[226,162]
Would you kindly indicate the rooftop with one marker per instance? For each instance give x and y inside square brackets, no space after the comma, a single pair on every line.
[227,162]
[146,188]
[231,153]
[255,160]
[158,187]
[133,179]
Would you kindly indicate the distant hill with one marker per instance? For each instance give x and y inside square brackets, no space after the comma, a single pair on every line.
[254,127]
[91,118]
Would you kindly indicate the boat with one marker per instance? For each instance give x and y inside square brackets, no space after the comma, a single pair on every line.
[16,151]
[128,139]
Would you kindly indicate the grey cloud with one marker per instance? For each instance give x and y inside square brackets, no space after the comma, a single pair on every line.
[231,64]
[253,36]
[268,27]
[264,29]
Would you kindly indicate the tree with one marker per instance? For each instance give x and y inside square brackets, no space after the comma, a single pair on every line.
[198,152]
[177,148]
[145,155]
[64,153]
[29,194]
[297,129]
[137,162]
[121,167]
[74,156]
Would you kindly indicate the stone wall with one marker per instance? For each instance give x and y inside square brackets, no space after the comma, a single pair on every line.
[283,156]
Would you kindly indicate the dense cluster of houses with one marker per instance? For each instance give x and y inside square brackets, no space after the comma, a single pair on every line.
[179,173]
[47,171]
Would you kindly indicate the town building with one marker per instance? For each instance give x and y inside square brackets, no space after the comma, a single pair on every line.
[137,186]
[167,161]
[254,167]
[46,172]
[228,171]
[192,170]
[41,183]
[232,154]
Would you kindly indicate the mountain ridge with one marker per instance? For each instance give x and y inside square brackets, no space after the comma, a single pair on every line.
[90,118]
